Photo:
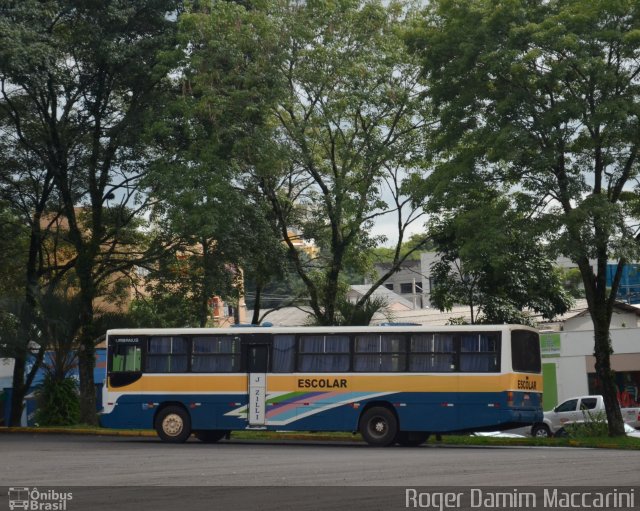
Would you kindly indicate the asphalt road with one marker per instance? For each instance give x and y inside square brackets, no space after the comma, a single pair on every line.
[319,470]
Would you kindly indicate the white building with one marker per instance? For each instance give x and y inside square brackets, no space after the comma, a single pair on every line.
[408,282]
[569,365]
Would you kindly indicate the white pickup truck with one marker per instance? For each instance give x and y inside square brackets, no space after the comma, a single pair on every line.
[579,409]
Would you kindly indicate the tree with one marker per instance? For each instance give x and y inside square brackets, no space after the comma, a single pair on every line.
[572,282]
[544,96]
[413,244]
[500,285]
[28,227]
[346,123]
[206,130]
[78,80]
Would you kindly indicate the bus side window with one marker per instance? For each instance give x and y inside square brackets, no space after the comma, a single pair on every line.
[432,352]
[216,354]
[324,353]
[479,353]
[283,353]
[379,353]
[167,355]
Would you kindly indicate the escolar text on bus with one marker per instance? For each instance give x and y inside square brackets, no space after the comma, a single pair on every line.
[527,384]
[322,383]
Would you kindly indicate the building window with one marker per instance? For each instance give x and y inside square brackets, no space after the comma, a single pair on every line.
[389,287]
[406,288]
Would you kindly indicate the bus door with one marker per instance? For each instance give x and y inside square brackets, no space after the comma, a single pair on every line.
[257,367]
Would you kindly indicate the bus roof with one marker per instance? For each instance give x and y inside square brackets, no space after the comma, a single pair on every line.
[316,330]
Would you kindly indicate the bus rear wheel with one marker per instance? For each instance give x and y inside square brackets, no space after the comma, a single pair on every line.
[173,424]
[210,436]
[411,438]
[379,426]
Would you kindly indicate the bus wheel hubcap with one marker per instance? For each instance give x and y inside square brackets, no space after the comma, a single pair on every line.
[379,427]
[172,424]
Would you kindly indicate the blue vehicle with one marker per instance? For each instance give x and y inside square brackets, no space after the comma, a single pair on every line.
[395,384]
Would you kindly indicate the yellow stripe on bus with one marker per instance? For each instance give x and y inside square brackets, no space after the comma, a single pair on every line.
[318,382]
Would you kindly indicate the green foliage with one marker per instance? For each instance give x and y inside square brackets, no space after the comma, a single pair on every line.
[299,116]
[207,132]
[164,310]
[359,314]
[572,282]
[80,80]
[415,243]
[58,402]
[542,98]
[594,426]
[346,126]
[494,262]
[15,238]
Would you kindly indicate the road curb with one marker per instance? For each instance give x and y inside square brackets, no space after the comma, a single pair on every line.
[79,431]
[153,434]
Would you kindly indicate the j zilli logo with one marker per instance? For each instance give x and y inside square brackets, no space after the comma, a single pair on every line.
[36,500]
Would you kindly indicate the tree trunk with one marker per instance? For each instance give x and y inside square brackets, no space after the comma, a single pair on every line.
[600,307]
[87,356]
[606,376]
[28,315]
[257,304]
[22,383]
[86,364]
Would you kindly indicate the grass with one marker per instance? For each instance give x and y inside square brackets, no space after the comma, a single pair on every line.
[595,442]
[447,440]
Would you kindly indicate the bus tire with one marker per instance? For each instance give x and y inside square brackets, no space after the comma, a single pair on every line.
[379,426]
[210,436]
[411,438]
[541,431]
[173,424]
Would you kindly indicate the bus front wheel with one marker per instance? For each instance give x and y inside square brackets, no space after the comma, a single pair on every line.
[379,426]
[173,424]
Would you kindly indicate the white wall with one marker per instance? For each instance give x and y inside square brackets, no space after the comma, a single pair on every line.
[576,355]
[571,375]
[623,340]
[619,319]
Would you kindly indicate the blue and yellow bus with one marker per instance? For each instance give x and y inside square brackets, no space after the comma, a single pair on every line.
[393,384]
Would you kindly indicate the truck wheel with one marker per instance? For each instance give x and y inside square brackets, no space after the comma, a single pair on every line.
[379,426]
[173,424]
[541,431]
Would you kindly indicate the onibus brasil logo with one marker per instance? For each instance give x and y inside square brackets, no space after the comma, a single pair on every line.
[36,500]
